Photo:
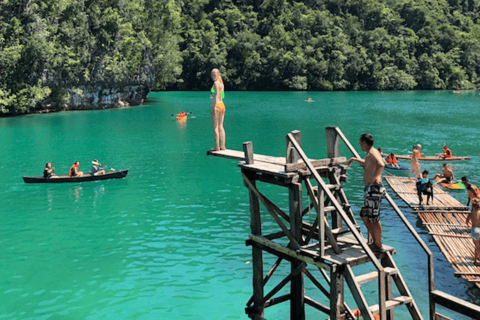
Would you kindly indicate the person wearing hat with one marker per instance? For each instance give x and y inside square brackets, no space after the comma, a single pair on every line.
[414,162]
[96,169]
[473,192]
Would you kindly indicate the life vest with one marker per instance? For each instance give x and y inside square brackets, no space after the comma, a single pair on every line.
[447,153]
[392,160]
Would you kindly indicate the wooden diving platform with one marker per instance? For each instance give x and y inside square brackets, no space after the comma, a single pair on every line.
[445,221]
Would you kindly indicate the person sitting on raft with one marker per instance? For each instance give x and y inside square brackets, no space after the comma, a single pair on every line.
[446,176]
[392,160]
[74,170]
[424,186]
[96,169]
[447,153]
[48,172]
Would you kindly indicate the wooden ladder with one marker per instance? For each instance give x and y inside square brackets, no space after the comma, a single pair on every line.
[391,273]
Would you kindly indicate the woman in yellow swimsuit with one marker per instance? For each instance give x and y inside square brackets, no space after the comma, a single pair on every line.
[218,110]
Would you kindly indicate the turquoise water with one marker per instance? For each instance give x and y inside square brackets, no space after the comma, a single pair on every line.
[168,242]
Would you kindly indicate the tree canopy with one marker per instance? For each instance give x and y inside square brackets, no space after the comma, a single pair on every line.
[48,46]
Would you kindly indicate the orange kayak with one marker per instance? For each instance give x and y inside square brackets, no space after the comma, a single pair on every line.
[182,116]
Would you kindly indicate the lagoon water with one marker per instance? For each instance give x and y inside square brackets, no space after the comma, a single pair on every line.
[168,242]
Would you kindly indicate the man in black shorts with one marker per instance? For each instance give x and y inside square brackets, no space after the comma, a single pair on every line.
[373,165]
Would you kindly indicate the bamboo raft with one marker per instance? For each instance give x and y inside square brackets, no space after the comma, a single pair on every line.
[445,222]
[407,191]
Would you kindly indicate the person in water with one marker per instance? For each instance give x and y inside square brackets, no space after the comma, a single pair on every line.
[447,153]
[74,170]
[218,110]
[96,169]
[474,218]
[424,186]
[414,162]
[373,165]
[48,172]
[446,176]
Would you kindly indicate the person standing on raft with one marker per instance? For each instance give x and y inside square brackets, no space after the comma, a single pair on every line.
[373,165]
[414,162]
[218,110]
[474,218]
[473,192]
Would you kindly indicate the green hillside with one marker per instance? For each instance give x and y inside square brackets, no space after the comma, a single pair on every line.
[48,47]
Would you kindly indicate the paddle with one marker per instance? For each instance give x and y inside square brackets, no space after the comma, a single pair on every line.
[185,113]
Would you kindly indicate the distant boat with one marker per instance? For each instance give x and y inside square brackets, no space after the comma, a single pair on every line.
[87,177]
[434,158]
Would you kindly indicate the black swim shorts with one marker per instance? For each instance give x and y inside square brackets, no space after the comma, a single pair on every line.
[372,201]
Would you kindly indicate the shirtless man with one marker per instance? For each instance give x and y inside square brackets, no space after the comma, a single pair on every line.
[218,110]
[473,192]
[374,191]
[474,217]
[446,175]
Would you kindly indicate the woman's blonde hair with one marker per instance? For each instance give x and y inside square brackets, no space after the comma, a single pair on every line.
[216,73]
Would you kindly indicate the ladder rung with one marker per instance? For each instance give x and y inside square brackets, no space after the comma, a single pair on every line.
[390,271]
[390,304]
[330,186]
[329,209]
[367,277]
[342,230]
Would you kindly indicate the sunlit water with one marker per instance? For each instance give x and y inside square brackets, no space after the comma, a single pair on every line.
[168,242]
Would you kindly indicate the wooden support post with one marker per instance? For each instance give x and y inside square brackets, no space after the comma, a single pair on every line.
[248,150]
[336,218]
[333,150]
[292,155]
[257,256]
[337,303]
[297,301]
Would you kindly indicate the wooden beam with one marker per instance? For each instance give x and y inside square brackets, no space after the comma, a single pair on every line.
[291,154]
[321,164]
[459,274]
[317,305]
[316,283]
[458,305]
[267,277]
[257,255]
[297,302]
[282,283]
[275,247]
[248,150]
[333,150]
[269,208]
[277,300]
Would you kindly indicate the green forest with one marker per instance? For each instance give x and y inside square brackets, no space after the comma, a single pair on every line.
[48,47]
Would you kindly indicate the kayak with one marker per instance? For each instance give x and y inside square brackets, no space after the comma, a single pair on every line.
[87,177]
[455,185]
[400,167]
[182,116]
[434,158]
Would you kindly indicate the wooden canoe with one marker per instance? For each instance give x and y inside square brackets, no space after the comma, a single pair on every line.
[87,177]
[434,158]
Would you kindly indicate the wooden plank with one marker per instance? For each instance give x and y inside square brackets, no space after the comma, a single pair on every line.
[337,303]
[358,294]
[467,274]
[448,235]
[458,305]
[289,167]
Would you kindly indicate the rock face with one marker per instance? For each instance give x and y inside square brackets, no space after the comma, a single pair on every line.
[102,94]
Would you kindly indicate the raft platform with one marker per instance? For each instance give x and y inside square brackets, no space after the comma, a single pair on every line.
[445,221]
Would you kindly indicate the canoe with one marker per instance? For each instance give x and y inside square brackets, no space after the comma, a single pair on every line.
[87,177]
[453,186]
[434,158]
[401,167]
